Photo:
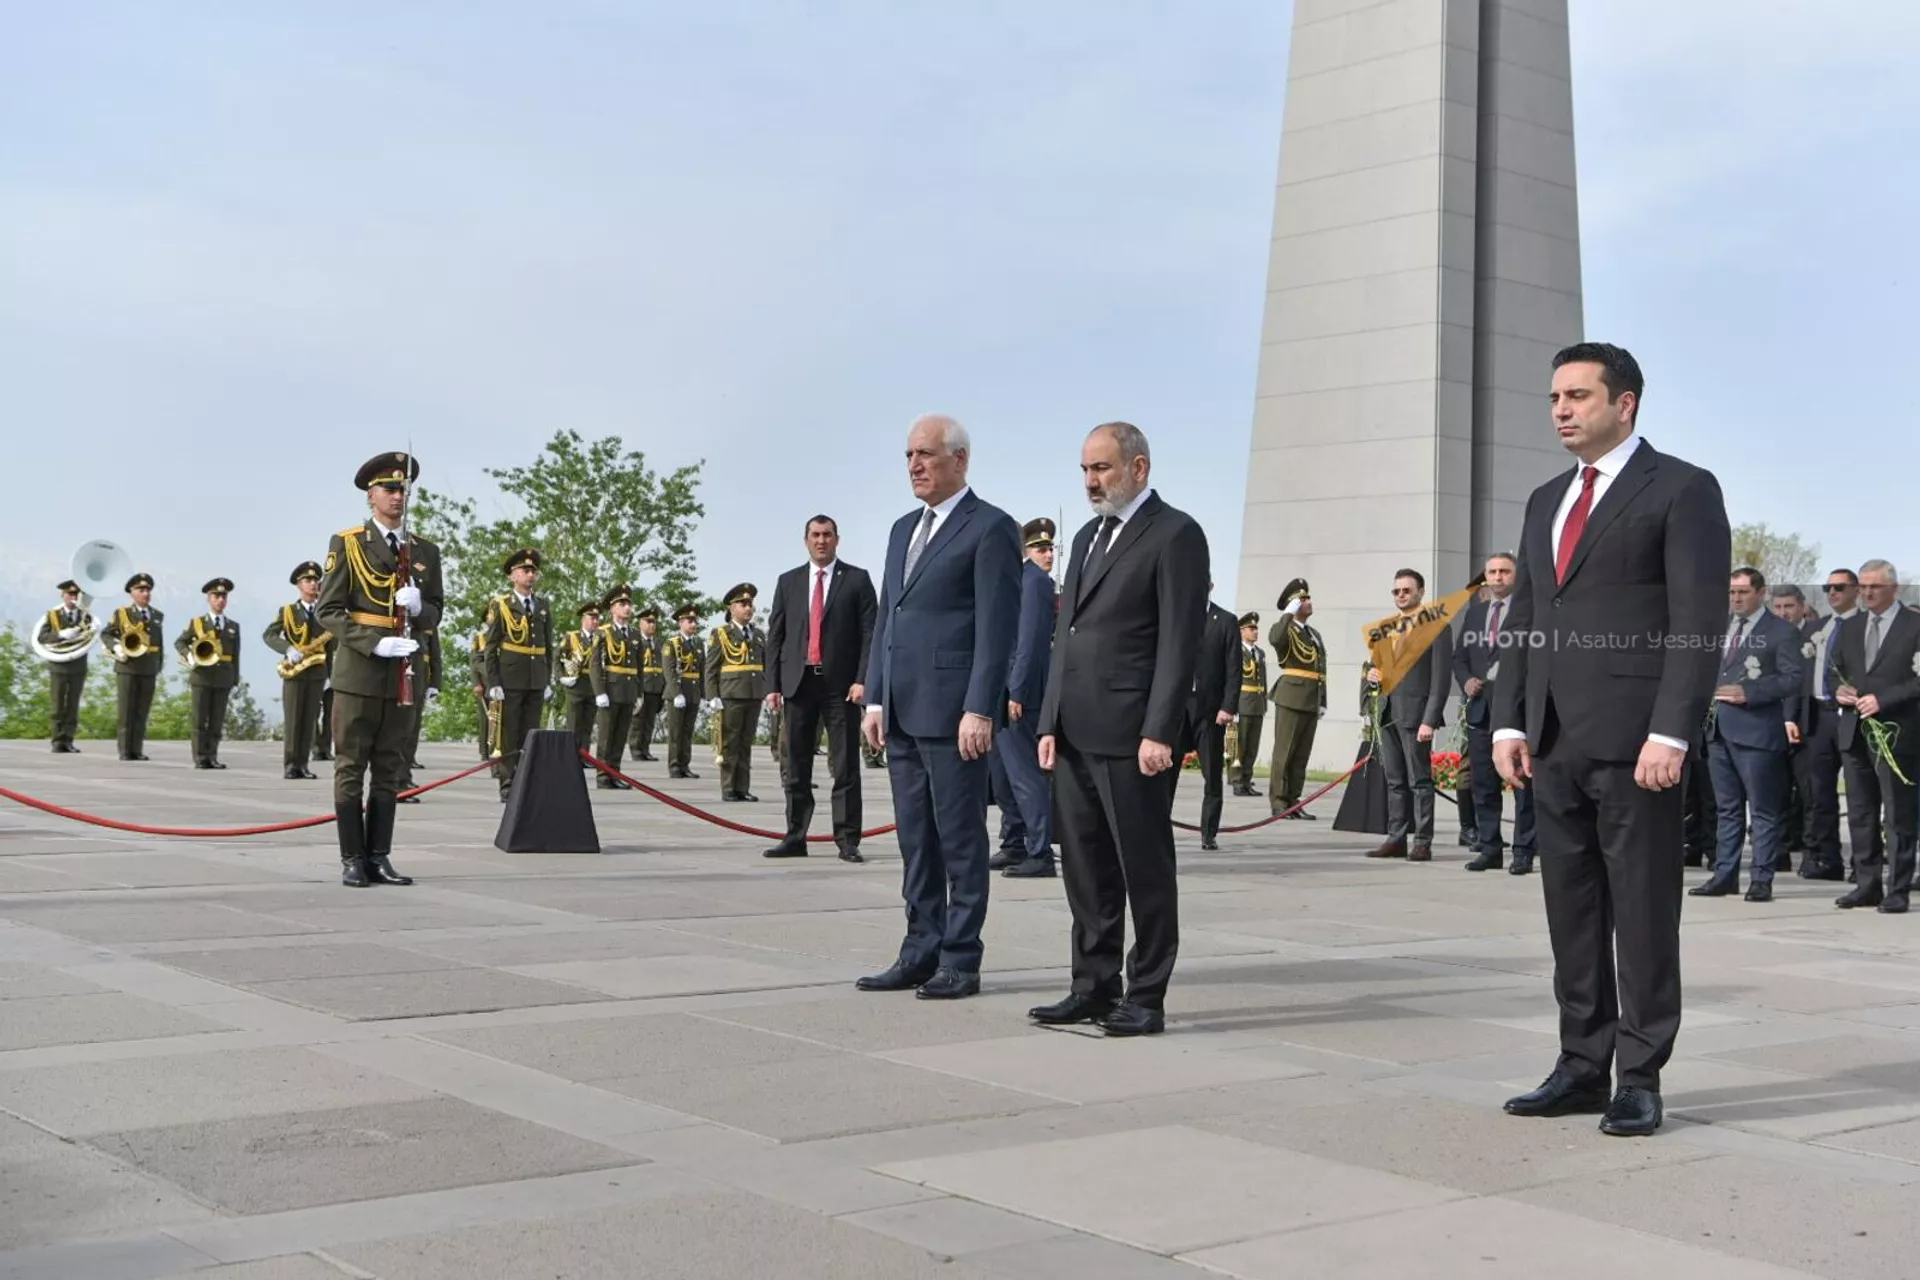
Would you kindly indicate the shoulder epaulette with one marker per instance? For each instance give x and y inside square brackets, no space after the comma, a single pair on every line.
[349,532]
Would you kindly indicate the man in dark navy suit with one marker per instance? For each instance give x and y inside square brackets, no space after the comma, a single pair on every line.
[1476,666]
[1760,671]
[1211,707]
[1025,793]
[936,686]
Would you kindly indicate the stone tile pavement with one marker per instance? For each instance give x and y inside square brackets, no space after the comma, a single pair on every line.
[217,1063]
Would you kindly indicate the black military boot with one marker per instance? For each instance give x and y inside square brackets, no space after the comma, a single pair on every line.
[353,844]
[380,810]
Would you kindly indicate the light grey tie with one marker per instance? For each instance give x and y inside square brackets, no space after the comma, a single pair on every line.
[1873,639]
[918,545]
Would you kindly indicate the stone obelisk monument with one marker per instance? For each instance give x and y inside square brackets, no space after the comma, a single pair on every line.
[1425,267]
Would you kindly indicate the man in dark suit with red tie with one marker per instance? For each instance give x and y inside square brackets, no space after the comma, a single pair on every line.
[1616,601]
[818,637]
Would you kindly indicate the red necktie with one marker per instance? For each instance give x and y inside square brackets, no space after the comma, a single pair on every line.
[1493,626]
[1576,523]
[814,612]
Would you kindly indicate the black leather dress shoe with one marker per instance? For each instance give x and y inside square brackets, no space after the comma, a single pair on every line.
[1209,845]
[201,764]
[1522,865]
[949,984]
[1075,1008]
[1718,887]
[898,978]
[1894,905]
[649,759]
[1760,891]
[1561,1094]
[1861,895]
[1304,816]
[406,799]
[747,796]
[1486,862]
[851,855]
[1130,1019]
[1821,871]
[1035,868]
[788,848]
[353,873]
[1005,858]
[306,775]
[295,774]
[1633,1113]
[215,764]
[380,871]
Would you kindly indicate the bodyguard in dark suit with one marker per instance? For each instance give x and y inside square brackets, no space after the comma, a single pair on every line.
[1026,793]
[936,683]
[1819,761]
[1416,709]
[1760,671]
[1211,707]
[819,638]
[1617,624]
[1476,666]
[1131,617]
[1878,665]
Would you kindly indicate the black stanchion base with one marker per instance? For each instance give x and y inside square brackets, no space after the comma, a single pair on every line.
[548,810]
[1364,806]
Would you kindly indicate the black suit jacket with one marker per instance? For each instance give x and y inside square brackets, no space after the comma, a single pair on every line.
[1474,660]
[1891,678]
[1216,672]
[1421,696]
[1629,644]
[846,628]
[1128,637]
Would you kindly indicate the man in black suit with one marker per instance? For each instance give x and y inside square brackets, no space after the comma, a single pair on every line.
[818,637]
[1819,761]
[1877,664]
[1416,710]
[936,688]
[1618,623]
[1476,667]
[1211,707]
[1131,616]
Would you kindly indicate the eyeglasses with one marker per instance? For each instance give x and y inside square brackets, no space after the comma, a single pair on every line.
[1837,586]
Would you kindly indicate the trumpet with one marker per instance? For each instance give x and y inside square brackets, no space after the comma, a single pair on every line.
[493,729]
[1232,745]
[203,652]
[719,738]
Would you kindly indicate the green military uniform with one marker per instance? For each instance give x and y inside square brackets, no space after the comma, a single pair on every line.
[323,743]
[519,639]
[477,664]
[736,677]
[426,687]
[296,634]
[66,624]
[684,662]
[210,649]
[616,686]
[1253,708]
[133,626]
[571,673]
[1299,699]
[378,588]
[653,685]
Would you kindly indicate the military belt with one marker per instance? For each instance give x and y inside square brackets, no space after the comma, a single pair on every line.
[734,668]
[620,671]
[226,657]
[1253,688]
[531,650]
[1302,672]
[371,620]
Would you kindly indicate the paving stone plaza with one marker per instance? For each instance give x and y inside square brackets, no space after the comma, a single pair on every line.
[216,1062]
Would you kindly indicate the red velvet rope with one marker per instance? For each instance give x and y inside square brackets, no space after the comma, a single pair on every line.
[1255,826]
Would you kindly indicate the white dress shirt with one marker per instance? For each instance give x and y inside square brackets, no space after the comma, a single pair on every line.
[1126,513]
[1822,646]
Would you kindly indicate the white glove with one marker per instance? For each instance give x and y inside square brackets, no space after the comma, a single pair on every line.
[68,633]
[408,598]
[433,696]
[715,704]
[395,647]
[326,686]
[569,681]
[602,700]
[496,694]
[680,701]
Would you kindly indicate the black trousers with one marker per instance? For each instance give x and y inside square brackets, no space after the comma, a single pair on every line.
[68,678]
[739,721]
[1816,769]
[369,747]
[300,709]
[1883,814]
[1612,875]
[1489,800]
[136,704]
[811,705]
[582,716]
[1115,828]
[645,715]
[1250,727]
[612,723]
[519,716]
[209,722]
[1207,739]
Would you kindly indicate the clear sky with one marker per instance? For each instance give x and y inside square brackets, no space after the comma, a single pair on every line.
[243,247]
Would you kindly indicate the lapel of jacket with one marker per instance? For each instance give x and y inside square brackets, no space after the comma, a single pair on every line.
[1070,593]
[1635,476]
[379,555]
[943,535]
[1130,533]
[1896,618]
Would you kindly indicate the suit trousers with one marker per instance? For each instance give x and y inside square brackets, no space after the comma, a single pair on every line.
[1489,799]
[940,808]
[1013,829]
[582,715]
[680,737]
[646,713]
[1793,811]
[613,722]
[1250,727]
[136,704]
[1612,877]
[1748,778]
[1699,812]
[1207,739]
[519,716]
[1293,734]
[1016,754]
[1115,829]
[1408,763]
[300,716]
[1875,796]
[209,722]
[1817,777]
[811,704]
[739,723]
[68,678]
[369,747]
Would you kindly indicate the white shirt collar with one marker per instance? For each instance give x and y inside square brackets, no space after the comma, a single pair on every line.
[1614,461]
[1139,499]
[942,510]
[830,568]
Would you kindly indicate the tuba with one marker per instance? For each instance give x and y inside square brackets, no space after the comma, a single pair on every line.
[98,566]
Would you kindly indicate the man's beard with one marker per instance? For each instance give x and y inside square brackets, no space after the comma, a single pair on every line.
[1119,494]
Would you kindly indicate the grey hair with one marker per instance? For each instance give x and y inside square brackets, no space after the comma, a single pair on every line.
[1882,566]
[1131,439]
[953,436]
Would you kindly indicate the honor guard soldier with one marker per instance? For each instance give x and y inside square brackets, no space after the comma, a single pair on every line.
[209,649]
[1253,703]
[616,682]
[571,658]
[304,646]
[653,683]
[65,635]
[1299,696]
[381,589]
[519,638]
[132,640]
[736,685]
[684,661]
[477,664]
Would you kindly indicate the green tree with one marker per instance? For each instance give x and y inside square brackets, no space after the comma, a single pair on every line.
[1782,557]
[245,721]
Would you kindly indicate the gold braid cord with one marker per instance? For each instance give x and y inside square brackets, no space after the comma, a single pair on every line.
[517,628]
[1300,653]
[616,649]
[731,652]
[371,581]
